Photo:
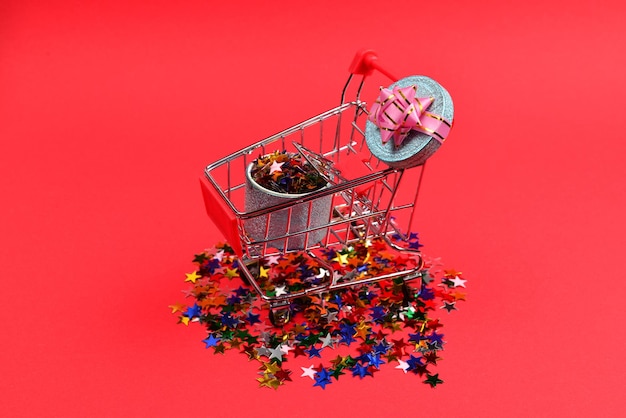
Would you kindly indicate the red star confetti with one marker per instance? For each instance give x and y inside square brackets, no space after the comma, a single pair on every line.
[286,172]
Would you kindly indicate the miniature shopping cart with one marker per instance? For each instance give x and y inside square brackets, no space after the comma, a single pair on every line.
[364,199]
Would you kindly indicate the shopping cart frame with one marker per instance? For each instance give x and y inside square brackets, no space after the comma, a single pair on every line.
[363,206]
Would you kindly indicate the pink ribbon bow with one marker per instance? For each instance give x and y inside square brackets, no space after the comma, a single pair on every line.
[398,112]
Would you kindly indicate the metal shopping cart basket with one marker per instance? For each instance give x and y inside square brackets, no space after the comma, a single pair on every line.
[363,200]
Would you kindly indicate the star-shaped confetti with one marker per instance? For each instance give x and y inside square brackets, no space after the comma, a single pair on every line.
[381,323]
[403,365]
[457,281]
[192,277]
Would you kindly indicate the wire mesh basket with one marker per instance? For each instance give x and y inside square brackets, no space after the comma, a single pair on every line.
[364,199]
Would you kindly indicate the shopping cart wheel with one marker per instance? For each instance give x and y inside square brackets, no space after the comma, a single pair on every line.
[279,316]
[409,292]
[406,292]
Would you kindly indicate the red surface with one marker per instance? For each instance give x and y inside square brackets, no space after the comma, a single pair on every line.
[109,113]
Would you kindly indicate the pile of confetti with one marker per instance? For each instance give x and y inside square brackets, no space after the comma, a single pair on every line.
[286,172]
[353,331]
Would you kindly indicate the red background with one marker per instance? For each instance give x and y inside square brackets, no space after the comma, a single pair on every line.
[110,112]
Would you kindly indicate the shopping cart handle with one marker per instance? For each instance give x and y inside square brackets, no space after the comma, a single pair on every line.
[365,62]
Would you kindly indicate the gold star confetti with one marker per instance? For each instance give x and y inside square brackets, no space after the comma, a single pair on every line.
[231,273]
[192,277]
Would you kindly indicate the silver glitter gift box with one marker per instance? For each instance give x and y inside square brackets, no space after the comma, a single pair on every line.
[418,146]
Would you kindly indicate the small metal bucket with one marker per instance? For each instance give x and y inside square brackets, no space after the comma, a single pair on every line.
[280,224]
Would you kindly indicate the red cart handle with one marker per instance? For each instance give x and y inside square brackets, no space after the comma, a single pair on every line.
[365,62]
